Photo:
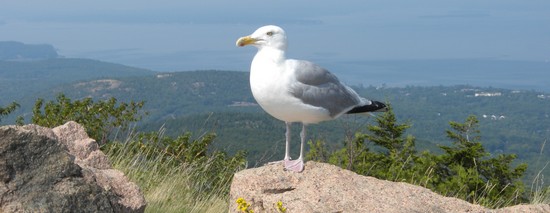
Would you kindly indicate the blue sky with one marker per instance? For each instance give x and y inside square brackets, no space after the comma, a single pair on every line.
[189,35]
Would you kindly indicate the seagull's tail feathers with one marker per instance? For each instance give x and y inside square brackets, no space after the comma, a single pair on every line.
[374,106]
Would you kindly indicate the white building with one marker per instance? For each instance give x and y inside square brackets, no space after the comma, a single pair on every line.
[487,94]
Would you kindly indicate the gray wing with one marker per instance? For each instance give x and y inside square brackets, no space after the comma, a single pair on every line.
[318,87]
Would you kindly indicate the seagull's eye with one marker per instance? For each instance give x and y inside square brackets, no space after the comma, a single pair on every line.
[270,33]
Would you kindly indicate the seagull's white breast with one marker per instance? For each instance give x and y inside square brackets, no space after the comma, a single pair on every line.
[270,79]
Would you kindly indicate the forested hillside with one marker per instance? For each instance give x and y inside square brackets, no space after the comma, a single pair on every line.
[17,51]
[21,81]
[170,95]
[511,121]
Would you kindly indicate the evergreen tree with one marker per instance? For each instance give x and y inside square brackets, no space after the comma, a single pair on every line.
[388,133]
[395,154]
[317,151]
[4,111]
[469,172]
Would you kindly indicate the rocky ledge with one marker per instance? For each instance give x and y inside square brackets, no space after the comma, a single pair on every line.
[60,170]
[327,188]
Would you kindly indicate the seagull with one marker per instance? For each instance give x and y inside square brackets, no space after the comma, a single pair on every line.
[296,90]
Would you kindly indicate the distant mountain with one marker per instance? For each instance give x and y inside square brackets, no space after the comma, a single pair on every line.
[12,50]
[21,80]
[26,69]
[170,95]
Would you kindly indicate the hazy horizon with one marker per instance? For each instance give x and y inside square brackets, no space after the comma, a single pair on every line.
[343,37]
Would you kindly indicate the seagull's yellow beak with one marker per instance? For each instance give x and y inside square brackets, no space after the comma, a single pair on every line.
[243,41]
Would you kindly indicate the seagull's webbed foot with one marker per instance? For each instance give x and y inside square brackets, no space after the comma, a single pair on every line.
[295,165]
[291,165]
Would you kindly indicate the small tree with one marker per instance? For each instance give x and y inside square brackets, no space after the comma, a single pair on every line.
[99,118]
[317,151]
[395,154]
[469,172]
[4,111]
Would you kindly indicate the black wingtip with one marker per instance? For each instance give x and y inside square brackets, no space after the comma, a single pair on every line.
[375,106]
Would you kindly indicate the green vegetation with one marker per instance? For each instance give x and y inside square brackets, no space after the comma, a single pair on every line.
[177,174]
[25,81]
[472,174]
[100,118]
[464,170]
[12,50]
[4,111]
[206,101]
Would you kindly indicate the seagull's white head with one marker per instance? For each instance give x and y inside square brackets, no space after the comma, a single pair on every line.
[266,36]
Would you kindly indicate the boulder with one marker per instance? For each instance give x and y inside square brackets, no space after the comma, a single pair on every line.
[98,168]
[327,188]
[60,170]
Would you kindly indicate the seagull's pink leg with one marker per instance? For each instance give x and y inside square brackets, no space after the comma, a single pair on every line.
[287,146]
[298,164]
[287,135]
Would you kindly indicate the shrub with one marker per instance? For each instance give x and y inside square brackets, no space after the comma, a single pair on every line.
[100,118]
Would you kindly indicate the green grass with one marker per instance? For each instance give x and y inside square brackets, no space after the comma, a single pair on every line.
[169,188]
[540,193]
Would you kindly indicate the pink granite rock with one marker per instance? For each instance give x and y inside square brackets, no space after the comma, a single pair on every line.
[327,188]
[60,170]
